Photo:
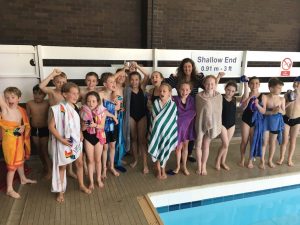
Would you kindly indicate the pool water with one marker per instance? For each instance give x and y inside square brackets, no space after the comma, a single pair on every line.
[279,208]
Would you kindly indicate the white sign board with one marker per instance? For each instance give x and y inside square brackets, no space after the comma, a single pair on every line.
[213,62]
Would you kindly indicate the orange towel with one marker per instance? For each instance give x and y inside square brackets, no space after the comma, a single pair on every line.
[15,148]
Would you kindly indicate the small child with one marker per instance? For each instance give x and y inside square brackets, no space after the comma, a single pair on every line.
[273,120]
[292,123]
[250,102]
[16,138]
[208,120]
[37,110]
[93,115]
[111,131]
[163,135]
[91,81]
[66,137]
[228,123]
[186,120]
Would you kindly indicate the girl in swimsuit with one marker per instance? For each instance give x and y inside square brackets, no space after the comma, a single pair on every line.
[247,103]
[138,120]
[93,115]
[228,123]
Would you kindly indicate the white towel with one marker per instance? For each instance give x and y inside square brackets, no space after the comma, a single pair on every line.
[67,124]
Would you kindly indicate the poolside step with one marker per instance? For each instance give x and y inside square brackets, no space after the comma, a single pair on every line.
[149,211]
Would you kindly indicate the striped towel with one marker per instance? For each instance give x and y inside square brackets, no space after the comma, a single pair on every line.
[163,131]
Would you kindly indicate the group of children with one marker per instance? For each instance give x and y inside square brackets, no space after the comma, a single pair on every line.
[124,116]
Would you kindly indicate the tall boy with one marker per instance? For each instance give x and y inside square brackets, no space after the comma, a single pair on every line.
[16,137]
[273,120]
[91,81]
[37,110]
[292,123]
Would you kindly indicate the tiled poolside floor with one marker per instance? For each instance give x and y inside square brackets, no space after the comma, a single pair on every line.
[117,202]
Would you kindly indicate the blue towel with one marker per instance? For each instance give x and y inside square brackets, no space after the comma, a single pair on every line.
[120,144]
[257,141]
[274,123]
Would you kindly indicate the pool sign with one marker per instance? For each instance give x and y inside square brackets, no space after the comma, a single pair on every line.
[286,66]
[213,62]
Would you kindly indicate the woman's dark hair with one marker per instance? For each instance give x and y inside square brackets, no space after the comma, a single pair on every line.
[93,93]
[180,72]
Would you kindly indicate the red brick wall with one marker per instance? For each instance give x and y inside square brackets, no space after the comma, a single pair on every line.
[173,24]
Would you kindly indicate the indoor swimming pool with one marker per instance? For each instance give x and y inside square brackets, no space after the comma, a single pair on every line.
[273,200]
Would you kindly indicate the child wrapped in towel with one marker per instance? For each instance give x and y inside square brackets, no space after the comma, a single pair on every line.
[163,135]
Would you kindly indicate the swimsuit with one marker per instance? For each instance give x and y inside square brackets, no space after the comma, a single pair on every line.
[228,113]
[247,114]
[154,97]
[138,105]
[91,138]
[39,132]
[291,122]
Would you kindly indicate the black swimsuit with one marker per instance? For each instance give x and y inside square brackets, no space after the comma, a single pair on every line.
[228,113]
[247,114]
[154,97]
[138,105]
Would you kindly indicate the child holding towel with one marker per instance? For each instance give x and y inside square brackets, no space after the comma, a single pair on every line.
[208,120]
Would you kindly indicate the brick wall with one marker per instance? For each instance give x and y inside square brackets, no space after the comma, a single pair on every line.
[105,23]
[227,24]
[173,24]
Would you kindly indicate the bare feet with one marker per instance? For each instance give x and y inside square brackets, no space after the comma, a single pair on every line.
[271,164]
[225,167]
[13,194]
[91,187]
[84,189]
[262,166]
[280,161]
[72,175]
[198,172]
[242,163]
[218,167]
[100,183]
[185,171]
[146,170]
[163,176]
[204,172]
[250,165]
[290,163]
[104,176]
[133,164]
[60,197]
[176,170]
[114,172]
[27,181]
